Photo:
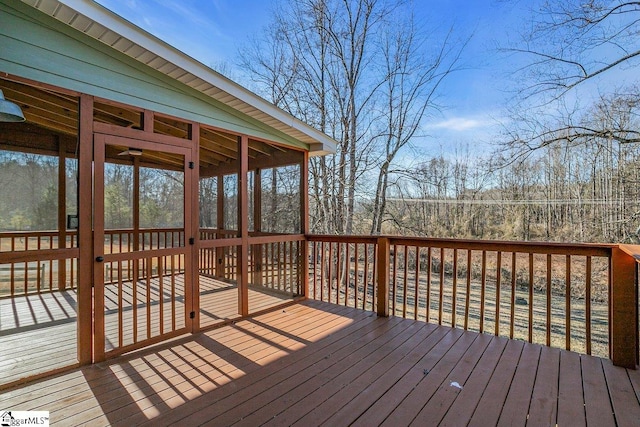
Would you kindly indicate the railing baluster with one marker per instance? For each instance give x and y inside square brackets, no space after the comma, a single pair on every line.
[173,293]
[498,285]
[120,307]
[513,293]
[13,268]
[148,295]
[394,285]
[417,284]
[549,285]
[404,282]
[530,297]
[441,290]
[329,276]
[568,302]
[454,292]
[161,292]
[347,262]
[338,270]
[323,257]
[587,308]
[483,286]
[365,287]
[428,284]
[355,275]
[467,302]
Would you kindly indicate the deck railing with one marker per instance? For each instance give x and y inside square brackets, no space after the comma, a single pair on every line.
[34,264]
[275,261]
[35,272]
[580,297]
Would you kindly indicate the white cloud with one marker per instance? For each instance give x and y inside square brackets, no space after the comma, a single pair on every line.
[459,124]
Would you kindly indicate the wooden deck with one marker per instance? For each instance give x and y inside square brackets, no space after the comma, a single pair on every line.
[28,323]
[315,363]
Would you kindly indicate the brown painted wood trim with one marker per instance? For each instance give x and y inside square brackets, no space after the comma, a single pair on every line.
[62,212]
[623,329]
[98,248]
[193,216]
[219,243]
[117,131]
[382,275]
[260,240]
[243,226]
[39,255]
[145,254]
[304,221]
[256,251]
[85,232]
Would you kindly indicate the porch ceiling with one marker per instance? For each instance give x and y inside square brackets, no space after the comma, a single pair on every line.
[58,113]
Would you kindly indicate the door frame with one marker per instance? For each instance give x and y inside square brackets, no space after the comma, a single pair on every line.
[100,141]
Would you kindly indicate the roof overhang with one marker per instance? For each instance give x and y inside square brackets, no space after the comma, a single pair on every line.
[105,26]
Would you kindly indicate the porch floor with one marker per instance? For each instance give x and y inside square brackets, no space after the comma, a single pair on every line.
[315,363]
[28,324]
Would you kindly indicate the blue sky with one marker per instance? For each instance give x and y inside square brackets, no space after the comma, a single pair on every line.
[212,31]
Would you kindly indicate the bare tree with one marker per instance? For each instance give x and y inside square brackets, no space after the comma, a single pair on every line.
[360,74]
[414,78]
[574,50]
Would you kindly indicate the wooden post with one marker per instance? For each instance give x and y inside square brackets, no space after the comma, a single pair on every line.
[243,226]
[62,213]
[218,267]
[192,219]
[256,253]
[623,300]
[382,274]
[304,221]
[85,244]
[136,208]
[99,333]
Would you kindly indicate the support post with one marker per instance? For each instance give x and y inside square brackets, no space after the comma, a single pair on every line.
[256,253]
[382,274]
[192,223]
[623,301]
[243,226]
[62,213]
[304,221]
[219,267]
[85,243]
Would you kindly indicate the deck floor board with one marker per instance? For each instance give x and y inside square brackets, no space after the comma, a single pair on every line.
[316,363]
[28,322]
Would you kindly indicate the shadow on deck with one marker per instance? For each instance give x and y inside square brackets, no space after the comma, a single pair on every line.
[38,331]
[316,363]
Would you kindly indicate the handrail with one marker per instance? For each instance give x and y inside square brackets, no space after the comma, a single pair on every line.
[575,296]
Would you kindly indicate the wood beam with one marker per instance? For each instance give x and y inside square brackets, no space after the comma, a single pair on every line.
[623,329]
[256,253]
[243,226]
[304,222]
[192,215]
[85,244]
[382,275]
[220,251]
[62,213]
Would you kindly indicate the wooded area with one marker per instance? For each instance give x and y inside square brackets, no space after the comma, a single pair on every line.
[368,73]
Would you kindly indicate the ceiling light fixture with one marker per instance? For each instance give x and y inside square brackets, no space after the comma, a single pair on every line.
[10,111]
[131,152]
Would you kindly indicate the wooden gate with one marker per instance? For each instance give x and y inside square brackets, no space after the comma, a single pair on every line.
[142,254]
